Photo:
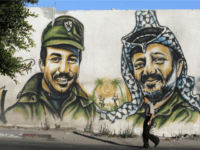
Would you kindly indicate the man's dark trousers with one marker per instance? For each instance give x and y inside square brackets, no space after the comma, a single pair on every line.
[146,135]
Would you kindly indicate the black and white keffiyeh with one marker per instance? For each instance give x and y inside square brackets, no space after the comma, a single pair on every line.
[147,26]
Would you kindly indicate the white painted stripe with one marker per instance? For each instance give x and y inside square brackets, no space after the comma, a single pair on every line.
[10,135]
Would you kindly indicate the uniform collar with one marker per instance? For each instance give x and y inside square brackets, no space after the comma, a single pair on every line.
[166,109]
[32,85]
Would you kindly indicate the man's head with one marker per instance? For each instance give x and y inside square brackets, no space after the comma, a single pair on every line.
[146,99]
[156,70]
[154,57]
[61,53]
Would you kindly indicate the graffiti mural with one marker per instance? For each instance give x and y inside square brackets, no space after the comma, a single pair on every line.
[103,86]
[153,64]
[54,92]
[2,100]
[108,94]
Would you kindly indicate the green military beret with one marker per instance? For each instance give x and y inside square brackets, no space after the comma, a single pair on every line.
[64,30]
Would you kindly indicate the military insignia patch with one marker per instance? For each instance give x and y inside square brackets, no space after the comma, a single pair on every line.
[68,25]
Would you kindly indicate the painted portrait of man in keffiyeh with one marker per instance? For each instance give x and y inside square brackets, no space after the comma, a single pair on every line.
[153,64]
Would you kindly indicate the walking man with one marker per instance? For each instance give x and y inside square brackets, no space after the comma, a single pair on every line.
[148,122]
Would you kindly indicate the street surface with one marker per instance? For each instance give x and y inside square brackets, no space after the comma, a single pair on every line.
[93,143]
[71,139]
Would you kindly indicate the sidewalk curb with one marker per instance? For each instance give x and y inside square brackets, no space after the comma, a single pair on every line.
[40,136]
[25,136]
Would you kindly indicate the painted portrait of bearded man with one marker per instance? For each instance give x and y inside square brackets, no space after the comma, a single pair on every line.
[153,64]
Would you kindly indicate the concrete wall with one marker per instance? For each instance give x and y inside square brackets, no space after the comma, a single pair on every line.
[103,98]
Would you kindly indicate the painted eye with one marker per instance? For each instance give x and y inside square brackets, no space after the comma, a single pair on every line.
[55,60]
[160,60]
[139,66]
[73,60]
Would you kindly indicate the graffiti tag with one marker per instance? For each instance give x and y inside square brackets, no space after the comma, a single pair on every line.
[29,63]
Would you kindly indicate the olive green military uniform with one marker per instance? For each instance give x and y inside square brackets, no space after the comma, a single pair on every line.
[34,104]
[176,109]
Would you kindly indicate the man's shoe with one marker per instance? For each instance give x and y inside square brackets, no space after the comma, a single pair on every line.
[157,143]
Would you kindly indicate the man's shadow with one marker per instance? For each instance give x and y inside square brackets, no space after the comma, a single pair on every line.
[110,142]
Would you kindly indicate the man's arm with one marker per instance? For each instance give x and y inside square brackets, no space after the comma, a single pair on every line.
[152,113]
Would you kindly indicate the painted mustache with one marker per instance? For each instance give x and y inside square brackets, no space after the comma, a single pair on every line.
[144,78]
[63,78]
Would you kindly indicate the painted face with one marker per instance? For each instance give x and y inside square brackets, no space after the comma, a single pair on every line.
[61,69]
[155,71]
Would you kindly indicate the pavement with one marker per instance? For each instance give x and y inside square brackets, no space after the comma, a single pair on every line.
[71,136]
